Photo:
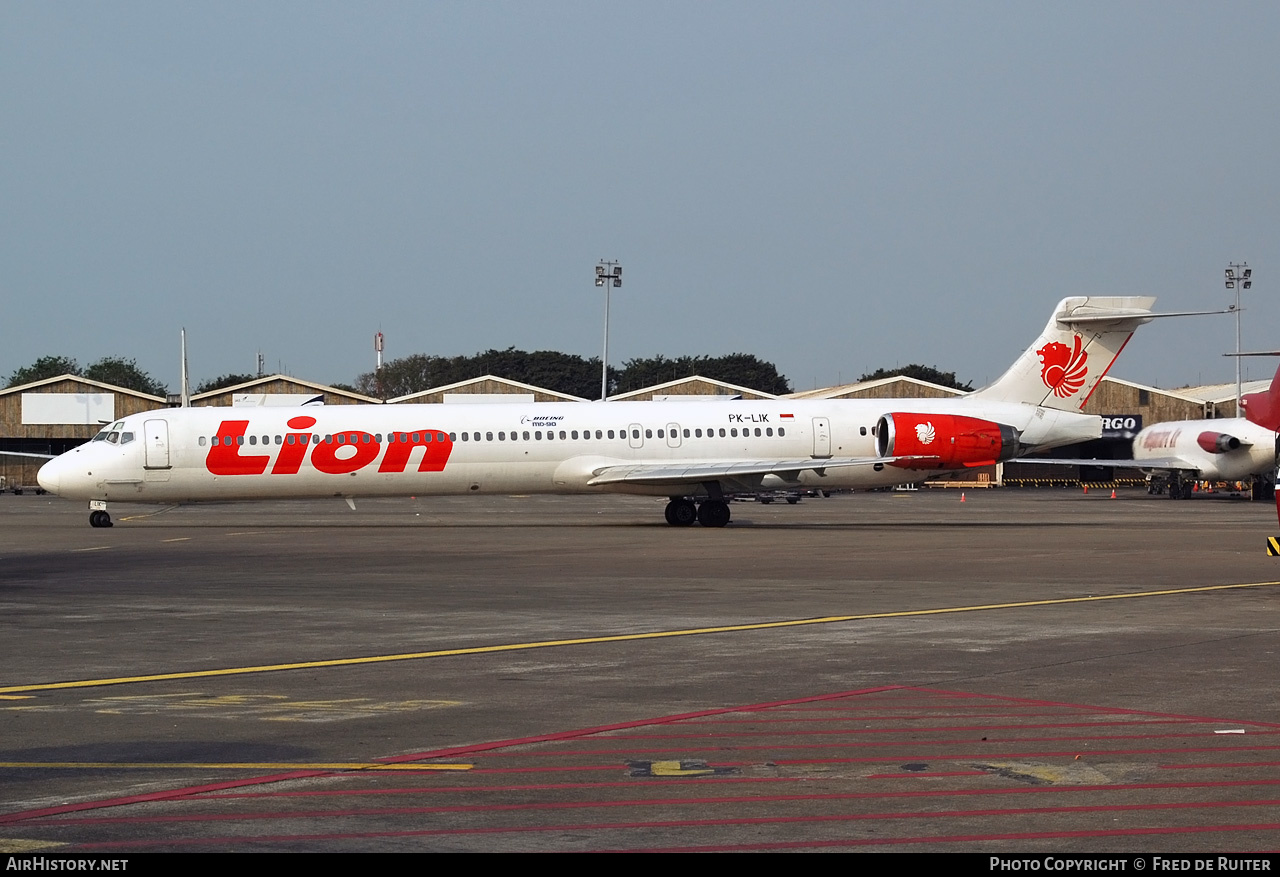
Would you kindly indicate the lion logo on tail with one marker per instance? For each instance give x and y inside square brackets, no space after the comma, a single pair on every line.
[1064,368]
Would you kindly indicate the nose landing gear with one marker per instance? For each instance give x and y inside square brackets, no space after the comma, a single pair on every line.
[99,518]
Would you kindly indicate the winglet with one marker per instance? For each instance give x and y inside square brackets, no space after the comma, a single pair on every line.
[1264,408]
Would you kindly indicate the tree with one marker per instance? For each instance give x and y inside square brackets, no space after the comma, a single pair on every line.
[562,372]
[44,367]
[125,373]
[742,369]
[920,373]
[223,381]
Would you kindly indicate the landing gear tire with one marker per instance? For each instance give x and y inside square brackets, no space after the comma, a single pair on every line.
[681,512]
[713,513]
[99,519]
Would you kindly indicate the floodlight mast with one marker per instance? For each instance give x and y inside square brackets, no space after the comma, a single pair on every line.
[608,275]
[1239,276]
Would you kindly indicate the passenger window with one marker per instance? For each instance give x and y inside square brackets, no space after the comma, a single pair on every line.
[722,432]
[453,437]
[686,433]
[201,441]
[757,432]
[466,436]
[502,436]
[781,431]
[599,434]
[488,436]
[240,440]
[648,433]
[697,433]
[660,435]
[733,433]
[862,430]
[562,434]
[574,434]
[635,433]
[768,430]
[253,439]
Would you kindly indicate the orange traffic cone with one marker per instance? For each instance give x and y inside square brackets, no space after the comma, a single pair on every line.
[1113,493]
[962,497]
[1086,488]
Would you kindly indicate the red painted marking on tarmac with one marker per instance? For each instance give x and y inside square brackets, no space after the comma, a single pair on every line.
[23,815]
[917,729]
[1219,764]
[914,775]
[851,796]
[455,751]
[811,706]
[658,802]
[760,820]
[955,838]
[711,745]
[1003,715]
[1100,710]
[524,787]
[420,756]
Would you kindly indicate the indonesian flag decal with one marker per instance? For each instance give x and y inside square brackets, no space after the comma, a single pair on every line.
[787,416]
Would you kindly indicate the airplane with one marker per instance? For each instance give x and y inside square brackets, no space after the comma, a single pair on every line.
[1186,451]
[694,453]
[1176,454]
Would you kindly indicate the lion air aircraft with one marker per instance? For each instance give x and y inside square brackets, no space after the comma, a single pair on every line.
[695,453]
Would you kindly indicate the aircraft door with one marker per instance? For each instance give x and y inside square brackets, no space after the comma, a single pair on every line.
[822,437]
[156,444]
[635,435]
[673,435]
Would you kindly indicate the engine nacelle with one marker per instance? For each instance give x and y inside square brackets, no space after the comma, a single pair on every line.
[1217,442]
[947,441]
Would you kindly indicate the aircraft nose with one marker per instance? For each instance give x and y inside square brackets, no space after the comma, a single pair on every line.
[49,476]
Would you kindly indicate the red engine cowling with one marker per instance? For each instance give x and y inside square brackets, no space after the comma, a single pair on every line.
[1217,442]
[946,441]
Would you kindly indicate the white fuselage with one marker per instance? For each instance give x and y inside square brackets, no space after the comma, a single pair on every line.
[1176,445]
[193,454]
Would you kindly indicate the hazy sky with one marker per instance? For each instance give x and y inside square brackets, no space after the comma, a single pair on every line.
[834,187]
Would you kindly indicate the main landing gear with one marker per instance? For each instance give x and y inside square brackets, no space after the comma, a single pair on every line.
[99,519]
[683,512]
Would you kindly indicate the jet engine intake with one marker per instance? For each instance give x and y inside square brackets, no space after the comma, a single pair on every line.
[945,441]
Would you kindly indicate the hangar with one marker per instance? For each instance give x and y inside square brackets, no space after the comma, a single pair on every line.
[691,387]
[281,390]
[54,415]
[486,388]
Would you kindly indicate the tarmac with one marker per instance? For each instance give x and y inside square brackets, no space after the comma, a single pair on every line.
[1026,670]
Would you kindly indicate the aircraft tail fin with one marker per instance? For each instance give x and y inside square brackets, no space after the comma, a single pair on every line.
[1264,408]
[1078,346]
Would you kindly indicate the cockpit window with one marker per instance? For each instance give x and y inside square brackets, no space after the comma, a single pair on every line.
[113,437]
[126,437]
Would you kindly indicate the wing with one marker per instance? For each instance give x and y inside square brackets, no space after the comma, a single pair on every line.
[1149,463]
[743,472]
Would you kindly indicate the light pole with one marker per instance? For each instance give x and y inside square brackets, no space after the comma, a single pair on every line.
[1239,276]
[608,275]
